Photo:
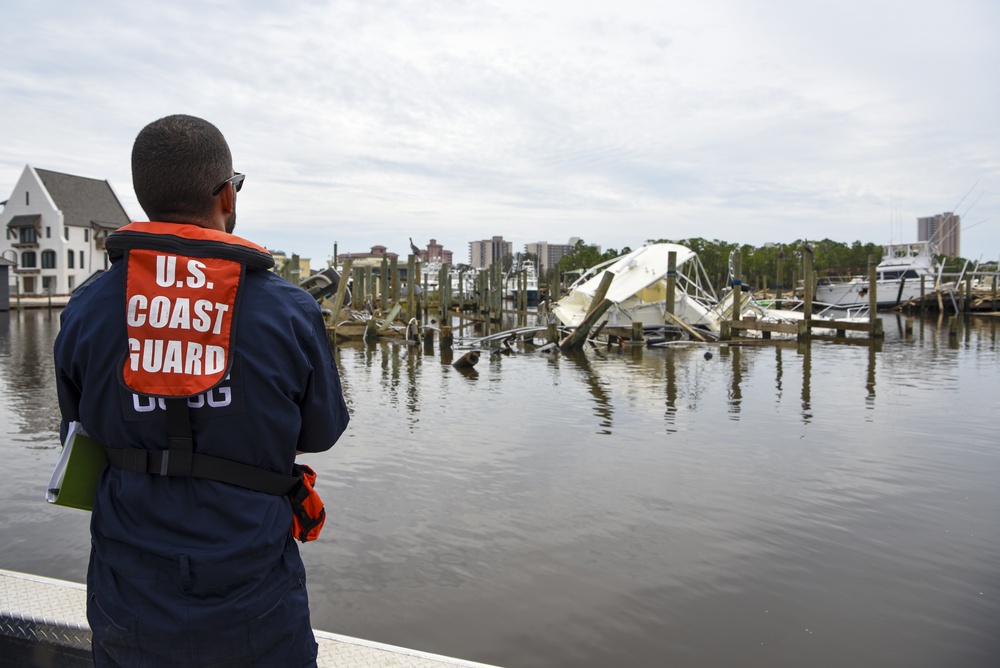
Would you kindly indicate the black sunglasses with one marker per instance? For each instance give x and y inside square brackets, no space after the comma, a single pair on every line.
[236,179]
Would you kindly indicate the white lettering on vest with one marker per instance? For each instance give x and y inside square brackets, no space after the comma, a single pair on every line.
[172,356]
[166,270]
[197,276]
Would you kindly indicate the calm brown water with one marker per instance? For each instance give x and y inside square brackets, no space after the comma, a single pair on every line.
[819,506]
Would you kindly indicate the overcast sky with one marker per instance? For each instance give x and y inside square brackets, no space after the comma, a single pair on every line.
[367,122]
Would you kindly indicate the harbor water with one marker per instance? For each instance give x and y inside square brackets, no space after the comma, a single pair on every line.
[815,505]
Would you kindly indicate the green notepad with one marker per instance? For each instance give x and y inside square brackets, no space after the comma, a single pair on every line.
[74,478]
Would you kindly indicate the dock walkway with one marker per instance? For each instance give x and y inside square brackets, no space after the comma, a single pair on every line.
[43,621]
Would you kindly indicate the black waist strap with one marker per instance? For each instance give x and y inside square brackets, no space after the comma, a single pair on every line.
[158,462]
[181,460]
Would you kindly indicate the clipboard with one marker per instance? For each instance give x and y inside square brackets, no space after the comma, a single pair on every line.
[74,478]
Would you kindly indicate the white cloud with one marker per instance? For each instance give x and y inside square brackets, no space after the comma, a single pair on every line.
[369,122]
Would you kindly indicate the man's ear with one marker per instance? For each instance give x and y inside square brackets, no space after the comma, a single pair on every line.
[227,198]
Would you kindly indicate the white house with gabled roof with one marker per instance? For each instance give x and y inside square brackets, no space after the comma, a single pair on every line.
[53,227]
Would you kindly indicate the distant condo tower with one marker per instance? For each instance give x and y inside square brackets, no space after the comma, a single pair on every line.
[944,230]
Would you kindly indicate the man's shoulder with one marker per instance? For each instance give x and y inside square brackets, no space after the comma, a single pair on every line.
[96,289]
[286,294]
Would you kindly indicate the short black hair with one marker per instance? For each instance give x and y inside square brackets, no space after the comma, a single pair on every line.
[176,161]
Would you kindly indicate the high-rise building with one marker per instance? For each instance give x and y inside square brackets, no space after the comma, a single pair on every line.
[944,231]
[484,253]
[548,254]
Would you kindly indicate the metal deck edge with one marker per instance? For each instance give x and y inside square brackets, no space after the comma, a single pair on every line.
[52,612]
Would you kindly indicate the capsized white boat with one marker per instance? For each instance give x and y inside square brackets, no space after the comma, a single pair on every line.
[638,291]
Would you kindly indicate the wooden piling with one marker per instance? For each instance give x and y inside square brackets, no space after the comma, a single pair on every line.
[394,293]
[338,299]
[384,297]
[671,281]
[579,335]
[779,282]
[411,293]
[807,285]
[872,294]
[737,285]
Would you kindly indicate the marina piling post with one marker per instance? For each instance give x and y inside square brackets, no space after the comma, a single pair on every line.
[968,294]
[602,291]
[394,280]
[425,294]
[371,332]
[779,283]
[498,286]
[338,299]
[636,331]
[671,281]
[444,288]
[923,293]
[872,294]
[552,333]
[385,297]
[737,313]
[447,337]
[411,293]
[725,330]
[358,276]
[580,334]
[807,283]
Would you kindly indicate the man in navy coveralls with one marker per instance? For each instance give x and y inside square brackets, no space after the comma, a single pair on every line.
[187,571]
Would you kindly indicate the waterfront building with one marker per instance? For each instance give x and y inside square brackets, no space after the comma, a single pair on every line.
[54,226]
[484,253]
[371,259]
[436,252]
[944,230]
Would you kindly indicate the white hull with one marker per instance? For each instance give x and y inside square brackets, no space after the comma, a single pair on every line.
[898,278]
[855,292]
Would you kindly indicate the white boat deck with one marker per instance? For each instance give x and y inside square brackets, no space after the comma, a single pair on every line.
[44,611]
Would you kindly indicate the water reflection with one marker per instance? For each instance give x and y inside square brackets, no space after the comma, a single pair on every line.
[26,374]
[603,407]
[659,504]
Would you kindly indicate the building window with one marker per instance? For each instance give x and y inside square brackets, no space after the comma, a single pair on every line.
[28,259]
[69,259]
[86,235]
[66,233]
[28,235]
[71,281]
[48,259]
[27,198]
[48,232]
[82,266]
[47,283]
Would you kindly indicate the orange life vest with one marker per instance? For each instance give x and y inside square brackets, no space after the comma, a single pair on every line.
[182,292]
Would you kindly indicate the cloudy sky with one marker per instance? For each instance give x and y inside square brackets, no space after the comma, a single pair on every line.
[367,122]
